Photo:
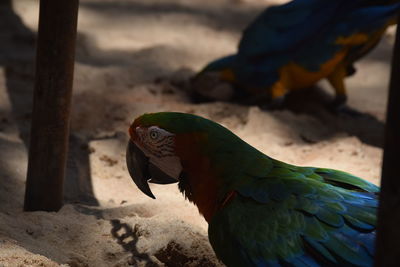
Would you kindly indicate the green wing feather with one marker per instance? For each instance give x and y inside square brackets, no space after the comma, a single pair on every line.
[297,216]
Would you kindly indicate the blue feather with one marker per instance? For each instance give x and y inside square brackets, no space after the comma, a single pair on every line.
[303,32]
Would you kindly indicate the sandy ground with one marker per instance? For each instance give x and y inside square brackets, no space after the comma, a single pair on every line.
[132,55]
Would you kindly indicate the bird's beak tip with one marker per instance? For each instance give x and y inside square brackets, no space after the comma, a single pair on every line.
[143,172]
[137,164]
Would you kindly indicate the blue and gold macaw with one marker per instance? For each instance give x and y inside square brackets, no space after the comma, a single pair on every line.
[293,46]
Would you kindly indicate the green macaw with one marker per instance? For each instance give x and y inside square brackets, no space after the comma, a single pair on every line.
[260,211]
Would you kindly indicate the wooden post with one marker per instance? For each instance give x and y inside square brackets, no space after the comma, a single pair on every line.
[51,104]
[388,234]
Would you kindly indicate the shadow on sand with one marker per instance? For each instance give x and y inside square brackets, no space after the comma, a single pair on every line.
[315,102]
[17,44]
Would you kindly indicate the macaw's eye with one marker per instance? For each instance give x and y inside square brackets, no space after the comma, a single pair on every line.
[154,134]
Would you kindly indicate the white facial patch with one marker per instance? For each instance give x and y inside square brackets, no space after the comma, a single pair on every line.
[159,146]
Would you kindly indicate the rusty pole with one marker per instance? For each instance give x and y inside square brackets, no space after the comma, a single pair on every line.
[51,104]
[388,234]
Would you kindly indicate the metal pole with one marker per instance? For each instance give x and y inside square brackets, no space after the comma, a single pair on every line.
[51,104]
[388,234]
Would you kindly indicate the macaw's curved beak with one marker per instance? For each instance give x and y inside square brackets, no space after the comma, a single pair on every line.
[143,171]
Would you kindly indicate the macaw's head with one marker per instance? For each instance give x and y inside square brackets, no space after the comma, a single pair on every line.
[215,81]
[223,67]
[197,153]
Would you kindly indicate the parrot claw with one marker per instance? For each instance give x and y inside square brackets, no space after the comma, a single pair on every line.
[338,106]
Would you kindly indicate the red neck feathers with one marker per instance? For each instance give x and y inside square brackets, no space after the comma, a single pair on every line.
[199,182]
